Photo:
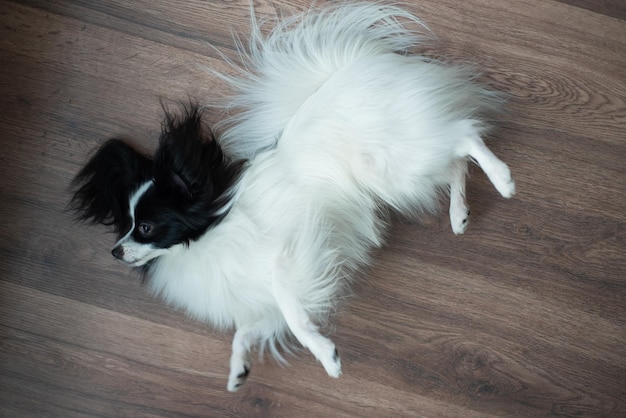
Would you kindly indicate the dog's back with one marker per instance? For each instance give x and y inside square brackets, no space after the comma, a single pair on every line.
[283,69]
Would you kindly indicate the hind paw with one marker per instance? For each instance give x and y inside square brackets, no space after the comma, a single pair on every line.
[503,181]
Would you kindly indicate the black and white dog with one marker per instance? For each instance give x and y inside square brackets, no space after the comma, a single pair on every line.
[337,123]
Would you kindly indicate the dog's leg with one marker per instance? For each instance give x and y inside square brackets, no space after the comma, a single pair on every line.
[243,340]
[305,331]
[497,171]
[459,212]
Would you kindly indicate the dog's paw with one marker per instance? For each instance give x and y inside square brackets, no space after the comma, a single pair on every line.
[332,363]
[459,218]
[503,181]
[238,376]
[509,190]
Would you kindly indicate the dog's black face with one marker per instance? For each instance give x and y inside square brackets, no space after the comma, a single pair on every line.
[159,218]
[157,204]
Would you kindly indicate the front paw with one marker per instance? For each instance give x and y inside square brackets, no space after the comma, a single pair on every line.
[238,377]
[459,218]
[332,363]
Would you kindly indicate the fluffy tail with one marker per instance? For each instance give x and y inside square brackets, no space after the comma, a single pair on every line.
[281,70]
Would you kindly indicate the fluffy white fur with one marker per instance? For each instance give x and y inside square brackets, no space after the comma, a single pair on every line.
[339,122]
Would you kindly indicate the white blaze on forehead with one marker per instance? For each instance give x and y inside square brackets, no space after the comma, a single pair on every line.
[134,199]
[132,204]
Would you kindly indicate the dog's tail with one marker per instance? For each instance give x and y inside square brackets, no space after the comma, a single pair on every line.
[282,69]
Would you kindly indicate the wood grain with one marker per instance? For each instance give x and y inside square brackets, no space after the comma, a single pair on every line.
[523,316]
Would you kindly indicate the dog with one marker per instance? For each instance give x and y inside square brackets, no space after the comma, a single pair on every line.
[261,228]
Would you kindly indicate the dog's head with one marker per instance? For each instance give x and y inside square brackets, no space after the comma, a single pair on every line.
[158,204]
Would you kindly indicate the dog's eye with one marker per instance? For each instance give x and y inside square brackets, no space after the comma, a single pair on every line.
[145,228]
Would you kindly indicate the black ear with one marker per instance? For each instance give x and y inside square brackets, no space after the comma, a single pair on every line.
[180,155]
[180,188]
[105,183]
[174,159]
[191,170]
[188,156]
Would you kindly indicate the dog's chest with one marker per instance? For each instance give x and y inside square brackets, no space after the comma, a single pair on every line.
[223,294]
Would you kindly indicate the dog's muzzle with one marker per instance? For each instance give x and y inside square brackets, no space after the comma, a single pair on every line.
[118,252]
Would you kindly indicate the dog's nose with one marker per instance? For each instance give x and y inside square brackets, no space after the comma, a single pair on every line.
[118,252]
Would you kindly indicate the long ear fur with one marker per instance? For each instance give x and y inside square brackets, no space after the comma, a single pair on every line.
[106,182]
[191,166]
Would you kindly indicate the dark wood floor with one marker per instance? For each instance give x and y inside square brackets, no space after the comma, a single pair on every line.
[524,316]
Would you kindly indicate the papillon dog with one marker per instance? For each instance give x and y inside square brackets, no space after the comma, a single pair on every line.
[260,230]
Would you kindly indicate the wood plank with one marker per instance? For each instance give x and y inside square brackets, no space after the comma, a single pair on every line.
[613,8]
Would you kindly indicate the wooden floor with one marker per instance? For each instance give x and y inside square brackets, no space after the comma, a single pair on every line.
[524,316]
